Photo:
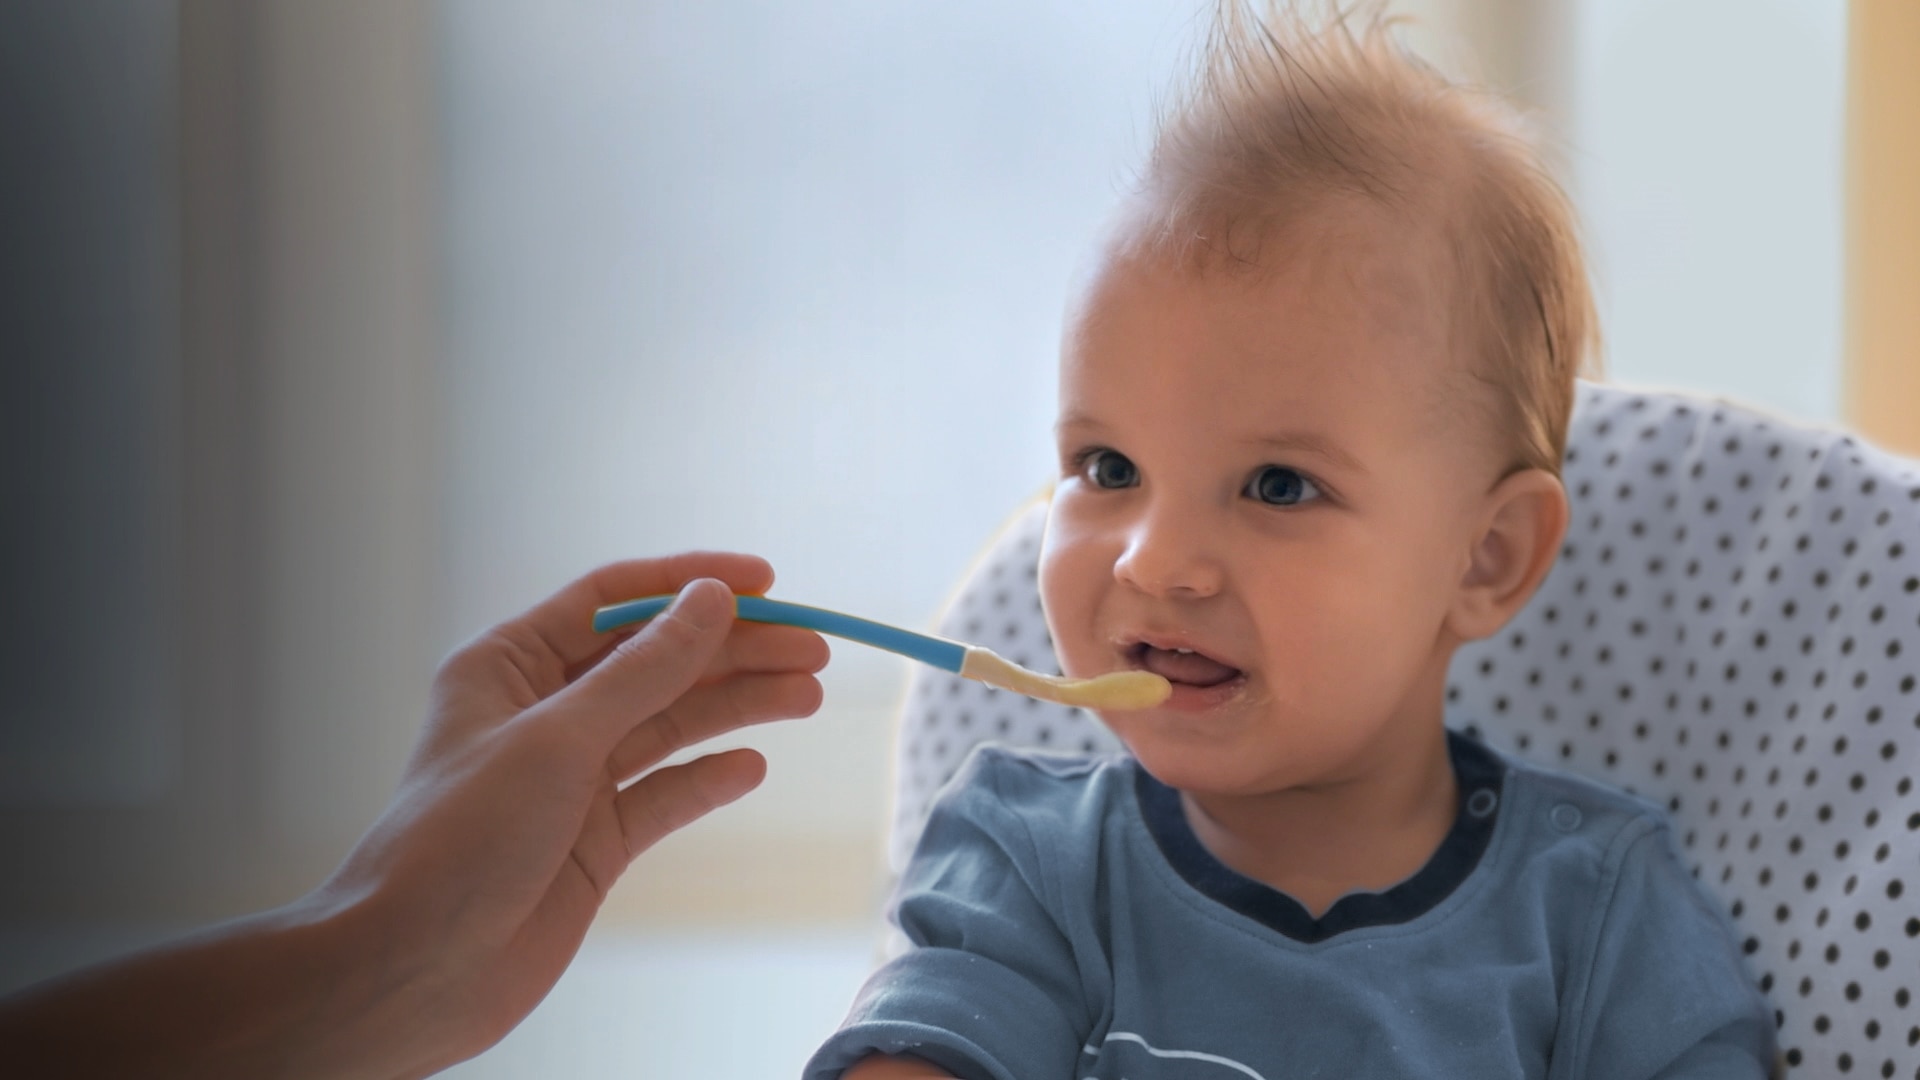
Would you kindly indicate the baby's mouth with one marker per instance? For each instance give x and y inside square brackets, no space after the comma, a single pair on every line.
[1181,666]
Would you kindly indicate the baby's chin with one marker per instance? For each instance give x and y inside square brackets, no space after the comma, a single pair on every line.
[1209,779]
[1230,760]
[1197,764]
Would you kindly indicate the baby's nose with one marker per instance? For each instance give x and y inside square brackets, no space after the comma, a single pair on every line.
[1170,555]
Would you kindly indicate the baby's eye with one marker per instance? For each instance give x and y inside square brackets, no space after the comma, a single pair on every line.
[1277,485]
[1108,469]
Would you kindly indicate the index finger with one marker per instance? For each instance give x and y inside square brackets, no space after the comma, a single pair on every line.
[564,621]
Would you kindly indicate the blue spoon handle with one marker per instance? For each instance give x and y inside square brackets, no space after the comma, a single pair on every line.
[939,652]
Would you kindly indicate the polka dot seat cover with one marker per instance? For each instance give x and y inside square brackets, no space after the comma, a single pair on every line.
[1732,629]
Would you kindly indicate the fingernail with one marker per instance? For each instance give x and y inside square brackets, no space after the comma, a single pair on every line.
[683,599]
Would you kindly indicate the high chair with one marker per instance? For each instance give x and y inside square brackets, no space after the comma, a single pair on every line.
[1732,630]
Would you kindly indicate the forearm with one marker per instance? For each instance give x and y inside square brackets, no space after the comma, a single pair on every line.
[287,993]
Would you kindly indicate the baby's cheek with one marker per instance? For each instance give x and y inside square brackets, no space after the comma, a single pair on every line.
[1335,646]
[1073,645]
[1061,603]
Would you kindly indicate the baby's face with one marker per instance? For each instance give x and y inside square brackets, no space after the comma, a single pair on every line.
[1282,476]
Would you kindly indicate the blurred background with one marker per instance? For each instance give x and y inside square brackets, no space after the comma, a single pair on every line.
[334,332]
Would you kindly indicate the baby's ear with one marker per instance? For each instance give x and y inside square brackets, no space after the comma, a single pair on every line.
[1514,545]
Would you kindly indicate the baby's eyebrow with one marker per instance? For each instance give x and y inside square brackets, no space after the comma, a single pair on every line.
[1309,442]
[1069,422]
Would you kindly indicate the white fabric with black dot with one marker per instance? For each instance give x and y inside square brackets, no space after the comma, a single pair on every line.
[1732,629]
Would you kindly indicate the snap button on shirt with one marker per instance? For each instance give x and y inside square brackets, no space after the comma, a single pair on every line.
[1565,817]
[1482,802]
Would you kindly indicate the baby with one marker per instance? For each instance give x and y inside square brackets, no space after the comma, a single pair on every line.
[1312,409]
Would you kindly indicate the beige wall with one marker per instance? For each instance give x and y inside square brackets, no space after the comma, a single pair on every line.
[1883,223]
[347,256]
[1518,47]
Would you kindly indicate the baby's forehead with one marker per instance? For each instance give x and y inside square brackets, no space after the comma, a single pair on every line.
[1333,266]
[1331,242]
[1371,293]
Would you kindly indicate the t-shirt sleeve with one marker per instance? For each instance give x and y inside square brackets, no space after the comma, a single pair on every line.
[990,987]
[1666,992]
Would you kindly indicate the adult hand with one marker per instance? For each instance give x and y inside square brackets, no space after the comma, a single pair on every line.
[510,825]
[461,907]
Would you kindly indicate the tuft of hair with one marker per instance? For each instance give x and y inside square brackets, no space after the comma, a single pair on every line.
[1285,114]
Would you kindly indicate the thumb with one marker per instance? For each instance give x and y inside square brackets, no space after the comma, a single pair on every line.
[650,670]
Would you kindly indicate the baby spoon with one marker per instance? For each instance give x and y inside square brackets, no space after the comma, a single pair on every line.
[1114,690]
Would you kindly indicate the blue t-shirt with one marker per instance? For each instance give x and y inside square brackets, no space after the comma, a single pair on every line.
[1067,923]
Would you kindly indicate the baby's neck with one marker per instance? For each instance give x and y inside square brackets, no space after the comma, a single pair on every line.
[1317,844]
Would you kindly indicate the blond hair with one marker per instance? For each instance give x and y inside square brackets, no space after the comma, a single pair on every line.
[1282,114]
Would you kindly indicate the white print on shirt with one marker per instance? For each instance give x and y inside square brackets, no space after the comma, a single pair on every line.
[1183,1055]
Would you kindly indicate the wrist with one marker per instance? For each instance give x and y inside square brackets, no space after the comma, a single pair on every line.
[306,994]
[368,987]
